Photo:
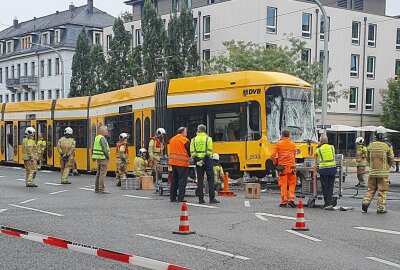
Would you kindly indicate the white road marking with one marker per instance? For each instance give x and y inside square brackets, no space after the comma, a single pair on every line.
[275,216]
[89,186]
[47,171]
[138,197]
[195,247]
[31,200]
[261,217]
[89,189]
[37,210]
[1,176]
[384,262]
[58,192]
[20,179]
[304,236]
[202,205]
[3,210]
[377,230]
[53,184]
[247,203]
[17,168]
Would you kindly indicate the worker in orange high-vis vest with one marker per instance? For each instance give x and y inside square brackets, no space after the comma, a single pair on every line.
[179,149]
[284,158]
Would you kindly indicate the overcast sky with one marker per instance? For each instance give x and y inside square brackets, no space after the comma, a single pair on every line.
[27,9]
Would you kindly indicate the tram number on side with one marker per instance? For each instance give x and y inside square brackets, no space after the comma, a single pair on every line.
[253,157]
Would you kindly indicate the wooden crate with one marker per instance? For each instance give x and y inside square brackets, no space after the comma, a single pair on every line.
[147,182]
[252,191]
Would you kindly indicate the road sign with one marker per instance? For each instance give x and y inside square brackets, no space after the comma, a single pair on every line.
[324,126]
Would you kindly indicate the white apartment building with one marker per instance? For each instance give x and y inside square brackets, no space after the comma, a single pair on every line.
[364,44]
[36,55]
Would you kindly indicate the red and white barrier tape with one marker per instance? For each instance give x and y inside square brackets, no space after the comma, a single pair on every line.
[103,253]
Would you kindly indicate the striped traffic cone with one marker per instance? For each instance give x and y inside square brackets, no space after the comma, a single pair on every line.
[184,227]
[300,219]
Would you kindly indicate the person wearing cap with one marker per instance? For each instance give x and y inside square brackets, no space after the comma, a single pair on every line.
[179,156]
[101,154]
[284,158]
[156,148]
[361,161]
[218,173]
[66,149]
[140,164]
[201,150]
[41,148]
[380,157]
[122,155]
[327,170]
[29,155]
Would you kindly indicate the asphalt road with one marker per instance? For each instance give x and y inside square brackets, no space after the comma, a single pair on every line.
[234,235]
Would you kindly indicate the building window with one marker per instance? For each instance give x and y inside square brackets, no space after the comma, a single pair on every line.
[10,46]
[369,99]
[189,4]
[359,4]
[371,67]
[396,68]
[342,3]
[33,96]
[18,97]
[175,5]
[42,68]
[1,75]
[57,66]
[7,98]
[97,38]
[270,45]
[355,63]
[26,69]
[1,98]
[138,37]
[355,33]
[42,95]
[206,57]
[18,71]
[46,38]
[398,39]
[7,75]
[26,96]
[206,27]
[49,94]
[271,19]
[306,25]
[1,48]
[306,56]
[12,97]
[26,42]
[57,93]
[196,28]
[353,98]
[109,37]
[12,72]
[33,69]
[57,36]
[372,28]
[322,27]
[49,67]
[209,2]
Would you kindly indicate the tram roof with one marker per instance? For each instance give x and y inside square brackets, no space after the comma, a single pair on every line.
[234,79]
[29,106]
[72,103]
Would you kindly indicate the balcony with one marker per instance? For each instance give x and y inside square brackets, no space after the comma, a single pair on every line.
[25,82]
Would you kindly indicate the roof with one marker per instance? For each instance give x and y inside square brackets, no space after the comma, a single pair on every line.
[79,16]
[27,106]
[234,79]
[72,103]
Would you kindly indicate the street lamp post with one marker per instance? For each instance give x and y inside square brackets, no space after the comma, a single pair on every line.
[325,65]
[62,64]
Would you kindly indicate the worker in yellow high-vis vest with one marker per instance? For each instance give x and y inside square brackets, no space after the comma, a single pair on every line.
[101,154]
[380,157]
[29,155]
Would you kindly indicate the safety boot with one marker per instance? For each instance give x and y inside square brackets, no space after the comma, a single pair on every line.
[381,211]
[31,185]
[118,183]
[201,201]
[292,204]
[364,207]
[214,201]
[66,182]
[283,205]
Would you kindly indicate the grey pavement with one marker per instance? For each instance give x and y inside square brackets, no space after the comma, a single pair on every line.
[143,227]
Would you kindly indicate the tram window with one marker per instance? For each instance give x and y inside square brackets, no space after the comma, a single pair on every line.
[79,128]
[2,140]
[189,117]
[138,138]
[147,130]
[50,142]
[22,126]
[254,132]
[15,134]
[117,125]
[227,126]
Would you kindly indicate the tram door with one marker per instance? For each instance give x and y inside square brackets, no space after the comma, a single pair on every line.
[143,131]
[9,147]
[42,131]
[253,132]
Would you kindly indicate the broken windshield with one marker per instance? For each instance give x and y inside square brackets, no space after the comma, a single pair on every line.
[292,109]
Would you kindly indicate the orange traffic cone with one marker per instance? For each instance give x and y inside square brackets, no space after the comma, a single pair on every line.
[300,219]
[226,192]
[184,227]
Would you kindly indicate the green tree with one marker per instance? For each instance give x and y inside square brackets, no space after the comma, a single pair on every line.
[81,77]
[135,66]
[118,64]
[126,16]
[249,56]
[173,49]
[189,43]
[154,36]
[391,104]
[97,70]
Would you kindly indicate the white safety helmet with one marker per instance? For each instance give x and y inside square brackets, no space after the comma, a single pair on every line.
[360,140]
[123,136]
[380,133]
[68,131]
[380,130]
[160,131]
[30,131]
[215,157]
[142,151]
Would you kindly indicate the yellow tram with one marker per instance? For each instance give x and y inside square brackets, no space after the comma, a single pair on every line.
[244,113]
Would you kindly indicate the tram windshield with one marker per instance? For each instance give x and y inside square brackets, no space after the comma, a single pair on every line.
[292,109]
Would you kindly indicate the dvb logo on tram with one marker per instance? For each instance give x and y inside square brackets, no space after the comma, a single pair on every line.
[247,92]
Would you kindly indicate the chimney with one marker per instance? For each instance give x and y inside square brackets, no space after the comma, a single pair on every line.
[90,6]
[71,7]
[15,22]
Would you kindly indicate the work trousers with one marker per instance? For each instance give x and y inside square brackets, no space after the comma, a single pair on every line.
[102,167]
[360,174]
[380,184]
[179,181]
[65,168]
[287,182]
[327,184]
[30,169]
[40,160]
[208,169]
[122,168]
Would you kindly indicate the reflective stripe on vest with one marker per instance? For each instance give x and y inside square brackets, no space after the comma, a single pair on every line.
[203,152]
[378,155]
[326,155]
[98,152]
